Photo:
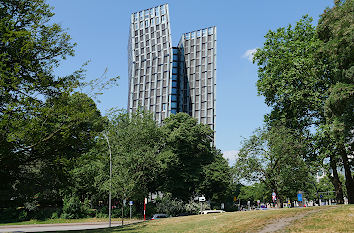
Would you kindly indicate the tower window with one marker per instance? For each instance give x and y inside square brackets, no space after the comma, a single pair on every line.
[210,31]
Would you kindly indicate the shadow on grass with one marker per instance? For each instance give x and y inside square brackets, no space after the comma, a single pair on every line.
[133,227]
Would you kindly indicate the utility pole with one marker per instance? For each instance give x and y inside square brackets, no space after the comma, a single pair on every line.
[110,182]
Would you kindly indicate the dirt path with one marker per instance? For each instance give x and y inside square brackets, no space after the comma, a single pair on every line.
[282,223]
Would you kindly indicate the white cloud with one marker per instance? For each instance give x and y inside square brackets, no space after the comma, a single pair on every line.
[249,54]
[230,156]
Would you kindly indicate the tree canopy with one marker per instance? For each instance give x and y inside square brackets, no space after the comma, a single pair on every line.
[44,124]
[306,76]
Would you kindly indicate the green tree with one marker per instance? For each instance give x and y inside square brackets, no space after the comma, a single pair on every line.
[189,146]
[44,125]
[63,129]
[275,157]
[335,29]
[291,75]
[295,77]
[136,142]
[257,191]
[216,179]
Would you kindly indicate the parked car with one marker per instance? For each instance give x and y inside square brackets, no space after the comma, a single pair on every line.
[211,211]
[158,216]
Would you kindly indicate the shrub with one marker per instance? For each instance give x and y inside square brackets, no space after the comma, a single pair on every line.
[55,215]
[10,214]
[101,215]
[169,205]
[102,212]
[73,208]
[192,207]
[23,215]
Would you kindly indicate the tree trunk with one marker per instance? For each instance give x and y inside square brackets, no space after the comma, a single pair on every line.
[279,202]
[349,182]
[335,180]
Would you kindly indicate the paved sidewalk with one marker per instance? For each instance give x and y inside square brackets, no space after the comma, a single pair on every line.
[62,226]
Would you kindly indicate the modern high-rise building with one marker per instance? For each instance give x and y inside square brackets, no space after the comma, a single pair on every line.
[165,79]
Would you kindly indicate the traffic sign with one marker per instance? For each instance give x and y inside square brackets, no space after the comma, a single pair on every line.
[130,202]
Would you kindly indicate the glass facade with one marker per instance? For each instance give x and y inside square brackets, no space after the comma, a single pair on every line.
[166,80]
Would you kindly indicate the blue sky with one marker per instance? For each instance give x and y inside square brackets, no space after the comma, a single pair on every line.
[100,28]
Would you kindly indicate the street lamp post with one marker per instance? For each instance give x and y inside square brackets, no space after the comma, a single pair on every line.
[110,180]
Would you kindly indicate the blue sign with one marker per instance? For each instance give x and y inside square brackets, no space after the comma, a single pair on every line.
[299,196]
[130,202]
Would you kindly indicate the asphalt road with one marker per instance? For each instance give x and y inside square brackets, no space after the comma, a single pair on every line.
[61,226]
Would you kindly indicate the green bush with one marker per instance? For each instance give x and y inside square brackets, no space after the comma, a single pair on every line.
[102,212]
[43,213]
[169,205]
[193,207]
[55,215]
[73,208]
[116,212]
[101,215]
[23,215]
[10,214]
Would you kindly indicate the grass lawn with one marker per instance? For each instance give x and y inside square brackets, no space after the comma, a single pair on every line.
[312,219]
[332,220]
[250,221]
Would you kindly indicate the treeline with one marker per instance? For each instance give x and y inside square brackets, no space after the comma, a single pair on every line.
[306,76]
[54,142]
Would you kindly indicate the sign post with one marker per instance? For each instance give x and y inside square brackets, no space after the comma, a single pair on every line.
[130,207]
[201,200]
[299,198]
[274,197]
[124,201]
[145,202]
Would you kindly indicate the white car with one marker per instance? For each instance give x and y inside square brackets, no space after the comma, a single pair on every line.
[211,211]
